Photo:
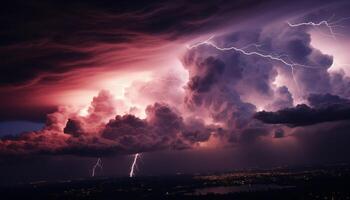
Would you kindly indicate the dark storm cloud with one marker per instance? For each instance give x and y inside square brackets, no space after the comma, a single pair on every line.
[324,108]
[47,43]
[230,94]
[40,39]
[223,87]
[52,37]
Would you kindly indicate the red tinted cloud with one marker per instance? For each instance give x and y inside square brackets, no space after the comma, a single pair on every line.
[66,132]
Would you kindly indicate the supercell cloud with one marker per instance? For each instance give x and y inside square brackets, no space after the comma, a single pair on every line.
[132,78]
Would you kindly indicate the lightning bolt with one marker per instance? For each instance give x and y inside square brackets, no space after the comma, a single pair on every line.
[284,59]
[97,164]
[134,164]
[329,24]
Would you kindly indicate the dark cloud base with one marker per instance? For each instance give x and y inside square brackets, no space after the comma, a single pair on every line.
[326,108]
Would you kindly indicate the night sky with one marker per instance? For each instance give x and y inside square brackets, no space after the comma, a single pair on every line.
[192,86]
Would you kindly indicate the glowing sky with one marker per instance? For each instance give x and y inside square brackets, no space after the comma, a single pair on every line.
[261,83]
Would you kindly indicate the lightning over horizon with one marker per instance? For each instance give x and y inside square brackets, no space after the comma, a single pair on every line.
[97,164]
[134,165]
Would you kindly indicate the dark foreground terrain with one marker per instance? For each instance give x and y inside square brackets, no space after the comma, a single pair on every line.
[327,182]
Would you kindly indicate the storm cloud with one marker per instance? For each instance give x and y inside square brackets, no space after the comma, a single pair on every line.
[211,94]
[46,46]
[324,108]
[67,132]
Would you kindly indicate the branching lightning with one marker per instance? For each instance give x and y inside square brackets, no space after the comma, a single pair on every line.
[97,164]
[284,59]
[330,24]
[134,165]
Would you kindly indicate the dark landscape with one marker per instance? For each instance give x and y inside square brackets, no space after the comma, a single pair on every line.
[327,182]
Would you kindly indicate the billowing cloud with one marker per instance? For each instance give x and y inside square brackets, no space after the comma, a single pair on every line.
[215,95]
[52,49]
[228,87]
[67,132]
